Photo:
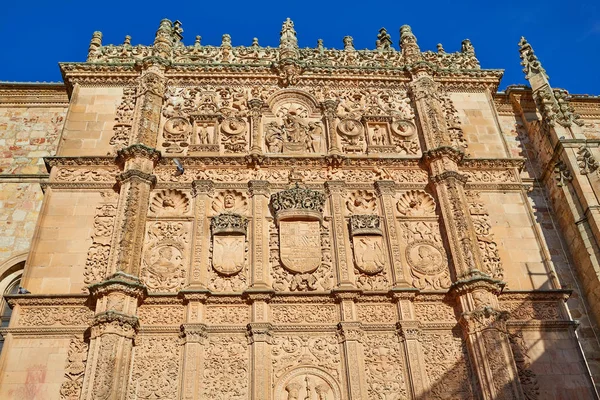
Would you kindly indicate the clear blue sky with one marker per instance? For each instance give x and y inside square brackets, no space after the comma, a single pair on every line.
[36,35]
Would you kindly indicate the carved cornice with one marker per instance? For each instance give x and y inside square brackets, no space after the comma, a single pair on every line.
[114,322]
[136,174]
[46,300]
[446,175]
[452,153]
[260,332]
[78,161]
[138,151]
[19,94]
[194,333]
[477,280]
[119,282]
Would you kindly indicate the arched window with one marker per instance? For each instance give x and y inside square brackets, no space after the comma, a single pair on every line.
[10,280]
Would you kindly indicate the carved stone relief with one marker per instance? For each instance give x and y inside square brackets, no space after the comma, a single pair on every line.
[384,364]
[376,313]
[367,242]
[77,355]
[227,315]
[319,352]
[226,368]
[164,266]
[485,238]
[205,120]
[170,203]
[416,203]
[96,264]
[161,315]
[155,371]
[294,130]
[425,255]
[304,313]
[124,118]
[230,201]
[446,365]
[229,250]
[55,315]
[361,202]
[528,378]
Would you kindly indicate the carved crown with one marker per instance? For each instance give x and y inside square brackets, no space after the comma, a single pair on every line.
[365,225]
[227,223]
[298,203]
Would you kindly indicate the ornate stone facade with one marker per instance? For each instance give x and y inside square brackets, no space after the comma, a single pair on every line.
[309,224]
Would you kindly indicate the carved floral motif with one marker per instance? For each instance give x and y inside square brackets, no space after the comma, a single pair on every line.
[319,351]
[226,368]
[308,313]
[384,364]
[155,371]
[161,315]
[96,264]
[376,313]
[48,316]
[227,315]
[77,355]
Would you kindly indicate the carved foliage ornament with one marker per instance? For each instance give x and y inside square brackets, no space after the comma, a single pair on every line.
[96,265]
[77,355]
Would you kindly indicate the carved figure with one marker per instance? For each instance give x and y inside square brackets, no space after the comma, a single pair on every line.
[368,254]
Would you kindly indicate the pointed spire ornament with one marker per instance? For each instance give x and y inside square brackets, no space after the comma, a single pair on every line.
[529,61]
[288,42]
[408,43]
[95,45]
[163,41]
[384,40]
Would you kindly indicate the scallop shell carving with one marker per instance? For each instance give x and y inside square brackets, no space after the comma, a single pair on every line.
[416,203]
[170,202]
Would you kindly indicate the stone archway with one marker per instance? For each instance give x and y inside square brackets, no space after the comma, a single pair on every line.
[307,383]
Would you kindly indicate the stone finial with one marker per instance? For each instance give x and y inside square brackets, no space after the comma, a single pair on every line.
[384,40]
[177,31]
[127,41]
[408,44]
[440,49]
[467,47]
[95,45]
[320,46]
[255,42]
[348,43]
[288,35]
[198,41]
[529,61]
[226,40]
[163,41]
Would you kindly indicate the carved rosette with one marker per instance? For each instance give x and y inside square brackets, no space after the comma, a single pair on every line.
[367,240]
[299,212]
[229,243]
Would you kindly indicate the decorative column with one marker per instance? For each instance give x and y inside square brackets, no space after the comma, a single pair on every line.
[259,191]
[329,108]
[135,185]
[350,334]
[202,190]
[342,255]
[484,333]
[111,337]
[259,334]
[386,191]
[256,106]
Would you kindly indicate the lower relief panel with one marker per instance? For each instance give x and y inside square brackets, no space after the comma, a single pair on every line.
[226,368]
[384,367]
[307,367]
[447,366]
[155,371]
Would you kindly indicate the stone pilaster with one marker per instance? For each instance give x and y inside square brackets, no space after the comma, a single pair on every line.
[409,333]
[260,234]
[484,328]
[259,334]
[151,92]
[202,190]
[256,106]
[342,254]
[350,334]
[194,337]
[330,109]
[130,223]
[386,191]
[112,333]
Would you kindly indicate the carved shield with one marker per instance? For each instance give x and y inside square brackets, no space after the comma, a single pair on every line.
[300,245]
[228,253]
[368,253]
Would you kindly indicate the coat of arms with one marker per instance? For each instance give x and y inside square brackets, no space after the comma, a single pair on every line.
[300,245]
[229,243]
